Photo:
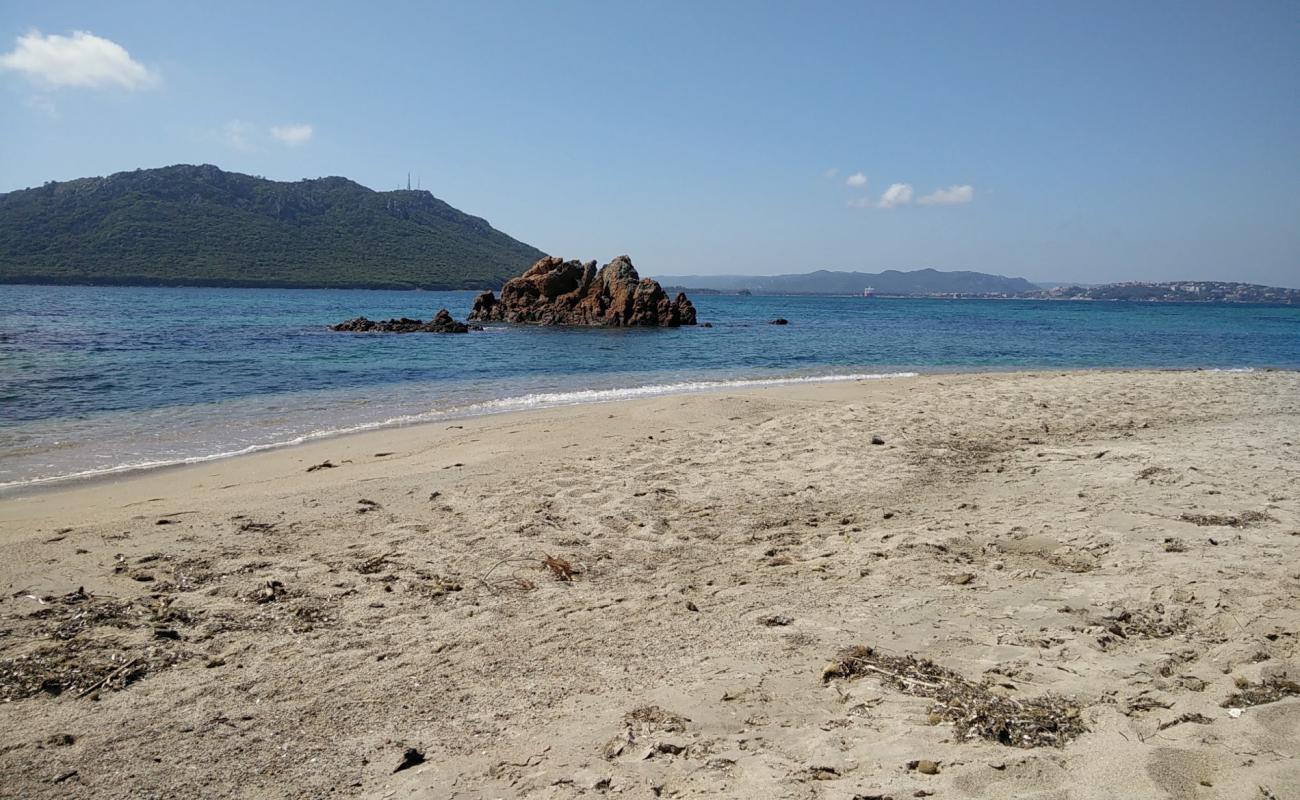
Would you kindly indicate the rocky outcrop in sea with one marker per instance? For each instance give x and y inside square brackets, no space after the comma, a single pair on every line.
[558,292]
[442,322]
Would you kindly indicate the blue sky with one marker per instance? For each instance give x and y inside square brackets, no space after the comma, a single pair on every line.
[1059,141]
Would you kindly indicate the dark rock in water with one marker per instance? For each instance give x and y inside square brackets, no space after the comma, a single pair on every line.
[706,324]
[485,306]
[685,309]
[442,322]
[365,325]
[558,292]
[779,321]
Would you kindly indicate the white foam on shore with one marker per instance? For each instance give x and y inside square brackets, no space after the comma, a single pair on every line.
[504,405]
[552,399]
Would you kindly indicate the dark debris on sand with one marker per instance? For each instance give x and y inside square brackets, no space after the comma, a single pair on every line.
[975,710]
[80,656]
[411,758]
[1242,520]
[80,667]
[644,722]
[1269,690]
[1154,621]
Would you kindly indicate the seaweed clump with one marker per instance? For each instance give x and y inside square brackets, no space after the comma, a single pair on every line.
[976,711]
[1268,690]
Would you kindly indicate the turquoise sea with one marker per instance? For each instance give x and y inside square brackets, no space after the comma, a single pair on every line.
[96,380]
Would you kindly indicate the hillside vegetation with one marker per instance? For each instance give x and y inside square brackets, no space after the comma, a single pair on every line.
[200,225]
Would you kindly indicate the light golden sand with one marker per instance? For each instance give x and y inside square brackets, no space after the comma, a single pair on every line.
[691,519]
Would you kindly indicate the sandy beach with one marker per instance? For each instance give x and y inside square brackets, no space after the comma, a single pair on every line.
[304,622]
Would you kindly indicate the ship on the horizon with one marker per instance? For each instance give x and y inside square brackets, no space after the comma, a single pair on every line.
[869,292]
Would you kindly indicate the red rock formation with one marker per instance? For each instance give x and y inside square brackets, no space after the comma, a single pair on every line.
[558,292]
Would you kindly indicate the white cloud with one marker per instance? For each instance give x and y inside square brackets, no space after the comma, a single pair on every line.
[898,194]
[856,180]
[292,135]
[831,173]
[82,59]
[249,138]
[239,135]
[953,195]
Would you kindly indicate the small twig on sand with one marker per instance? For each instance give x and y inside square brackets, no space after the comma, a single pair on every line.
[561,569]
[492,586]
[901,678]
[110,676]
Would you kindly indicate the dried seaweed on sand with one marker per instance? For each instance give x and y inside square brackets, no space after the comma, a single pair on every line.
[560,568]
[1269,690]
[975,710]
[1243,520]
[82,667]
[642,722]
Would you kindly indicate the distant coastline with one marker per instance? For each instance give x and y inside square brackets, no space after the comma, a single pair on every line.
[937,284]
[1105,293]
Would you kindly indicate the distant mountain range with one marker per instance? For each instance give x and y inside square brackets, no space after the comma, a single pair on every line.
[200,225]
[892,281]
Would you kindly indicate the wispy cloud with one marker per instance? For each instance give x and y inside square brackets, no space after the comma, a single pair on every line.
[953,195]
[903,194]
[898,194]
[830,173]
[81,60]
[42,104]
[292,135]
[249,138]
[239,135]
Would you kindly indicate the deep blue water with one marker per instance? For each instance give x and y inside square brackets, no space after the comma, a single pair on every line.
[93,379]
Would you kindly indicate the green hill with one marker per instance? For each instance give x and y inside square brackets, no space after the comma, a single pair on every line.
[199,225]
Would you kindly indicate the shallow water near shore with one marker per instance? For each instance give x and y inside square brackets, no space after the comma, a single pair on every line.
[95,380]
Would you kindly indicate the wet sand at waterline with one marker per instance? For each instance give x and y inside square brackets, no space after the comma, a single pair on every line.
[1071,585]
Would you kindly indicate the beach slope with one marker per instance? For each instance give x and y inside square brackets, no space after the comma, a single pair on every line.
[654,599]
